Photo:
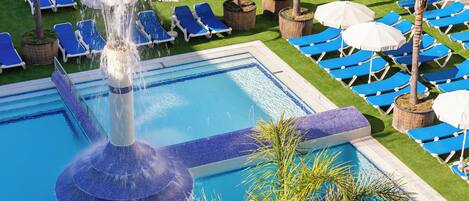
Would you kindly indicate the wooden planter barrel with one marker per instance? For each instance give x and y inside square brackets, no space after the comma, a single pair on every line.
[403,120]
[239,20]
[273,7]
[40,54]
[294,28]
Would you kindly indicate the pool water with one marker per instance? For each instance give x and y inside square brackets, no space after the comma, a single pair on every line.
[39,137]
[229,186]
[187,102]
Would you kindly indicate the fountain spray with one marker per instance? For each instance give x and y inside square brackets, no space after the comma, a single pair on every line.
[122,168]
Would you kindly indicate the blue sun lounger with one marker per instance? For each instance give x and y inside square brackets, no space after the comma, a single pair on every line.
[43,4]
[354,59]
[458,72]
[313,39]
[447,11]
[409,4]
[139,37]
[465,45]
[151,25]
[433,133]
[205,16]
[64,3]
[454,86]
[448,146]
[435,53]
[69,45]
[387,99]
[404,26]
[427,41]
[390,19]
[393,83]
[322,48]
[449,22]
[353,72]
[460,36]
[9,57]
[186,22]
[89,36]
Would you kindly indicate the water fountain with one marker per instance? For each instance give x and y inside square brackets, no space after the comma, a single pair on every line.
[122,168]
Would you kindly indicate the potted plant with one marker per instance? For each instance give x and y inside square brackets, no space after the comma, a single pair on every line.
[39,46]
[413,110]
[273,7]
[240,15]
[295,21]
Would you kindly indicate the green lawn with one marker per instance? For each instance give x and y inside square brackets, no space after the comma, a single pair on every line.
[16,19]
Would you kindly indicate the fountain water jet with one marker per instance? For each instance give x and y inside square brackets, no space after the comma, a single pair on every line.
[123,168]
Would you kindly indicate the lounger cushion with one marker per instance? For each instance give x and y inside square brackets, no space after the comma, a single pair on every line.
[65,2]
[447,11]
[359,70]
[323,47]
[322,37]
[152,26]
[68,40]
[138,37]
[454,86]
[427,41]
[387,99]
[389,19]
[451,74]
[461,36]
[397,80]
[454,20]
[90,34]
[445,146]
[411,3]
[205,13]
[8,55]
[404,26]
[431,133]
[187,20]
[43,4]
[434,53]
[350,60]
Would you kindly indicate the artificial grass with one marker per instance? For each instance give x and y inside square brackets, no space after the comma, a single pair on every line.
[16,19]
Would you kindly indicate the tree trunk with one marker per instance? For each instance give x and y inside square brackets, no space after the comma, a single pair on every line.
[39,28]
[420,6]
[237,2]
[296,8]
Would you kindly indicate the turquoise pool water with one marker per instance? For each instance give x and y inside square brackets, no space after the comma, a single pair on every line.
[186,102]
[38,139]
[229,185]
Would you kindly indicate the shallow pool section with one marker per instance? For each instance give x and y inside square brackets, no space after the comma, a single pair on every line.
[39,137]
[229,185]
[201,99]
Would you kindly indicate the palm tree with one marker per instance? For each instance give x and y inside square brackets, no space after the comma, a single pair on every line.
[420,6]
[38,18]
[280,173]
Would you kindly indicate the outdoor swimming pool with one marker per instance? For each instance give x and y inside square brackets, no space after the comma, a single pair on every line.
[181,103]
[229,185]
[39,137]
[201,99]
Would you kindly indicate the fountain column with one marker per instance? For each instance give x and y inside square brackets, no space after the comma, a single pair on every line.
[119,62]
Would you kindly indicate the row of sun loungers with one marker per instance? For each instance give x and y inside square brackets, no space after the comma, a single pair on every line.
[347,69]
[410,4]
[9,57]
[329,40]
[201,23]
[52,4]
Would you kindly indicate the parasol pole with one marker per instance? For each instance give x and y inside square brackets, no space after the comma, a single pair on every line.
[461,159]
[371,66]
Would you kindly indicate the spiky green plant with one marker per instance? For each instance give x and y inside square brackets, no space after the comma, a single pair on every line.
[281,173]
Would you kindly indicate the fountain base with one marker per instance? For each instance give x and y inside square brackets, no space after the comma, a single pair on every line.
[136,172]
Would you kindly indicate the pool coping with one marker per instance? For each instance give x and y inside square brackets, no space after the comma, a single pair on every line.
[368,146]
